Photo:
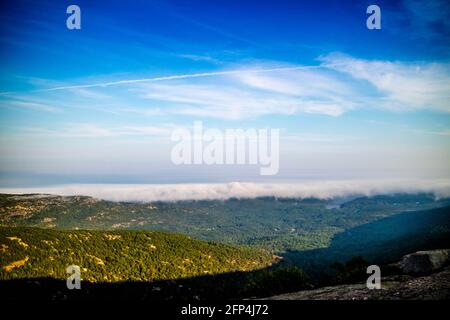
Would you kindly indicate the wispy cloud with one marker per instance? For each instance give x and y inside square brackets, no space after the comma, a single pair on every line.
[225,102]
[31,105]
[339,84]
[400,86]
[197,57]
[174,77]
[91,130]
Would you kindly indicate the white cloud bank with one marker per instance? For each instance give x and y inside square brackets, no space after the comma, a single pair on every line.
[176,192]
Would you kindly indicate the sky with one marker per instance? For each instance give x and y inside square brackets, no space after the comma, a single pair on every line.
[99,104]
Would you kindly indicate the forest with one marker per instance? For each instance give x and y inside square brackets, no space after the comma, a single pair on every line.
[234,248]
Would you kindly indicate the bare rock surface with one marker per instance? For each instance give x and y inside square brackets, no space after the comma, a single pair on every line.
[432,287]
[418,283]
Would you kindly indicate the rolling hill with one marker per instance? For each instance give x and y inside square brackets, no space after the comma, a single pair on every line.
[106,256]
[278,224]
[135,265]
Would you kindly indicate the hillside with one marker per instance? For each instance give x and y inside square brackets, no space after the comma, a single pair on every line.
[383,240]
[135,265]
[106,256]
[279,224]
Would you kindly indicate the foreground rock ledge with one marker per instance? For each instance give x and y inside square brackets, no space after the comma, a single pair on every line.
[432,287]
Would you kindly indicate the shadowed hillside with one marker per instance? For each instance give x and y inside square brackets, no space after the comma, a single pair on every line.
[381,241]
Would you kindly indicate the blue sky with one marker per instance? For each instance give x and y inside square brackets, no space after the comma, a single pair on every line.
[99,104]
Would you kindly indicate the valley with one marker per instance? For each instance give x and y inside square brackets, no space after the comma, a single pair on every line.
[242,246]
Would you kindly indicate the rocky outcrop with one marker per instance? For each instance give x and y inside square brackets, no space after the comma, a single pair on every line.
[424,262]
[419,282]
[432,287]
